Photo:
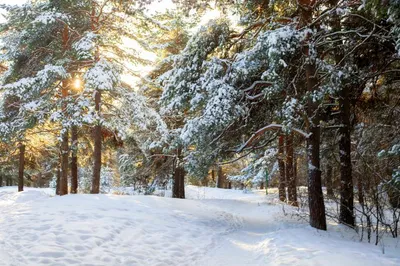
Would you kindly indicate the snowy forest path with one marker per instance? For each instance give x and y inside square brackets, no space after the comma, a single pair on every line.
[269,236]
[212,227]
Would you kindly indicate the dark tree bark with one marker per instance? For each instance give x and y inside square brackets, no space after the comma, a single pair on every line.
[282,173]
[64,134]
[39,182]
[58,178]
[295,167]
[1,180]
[328,181]
[262,185]
[204,181]
[97,136]
[290,178]
[97,149]
[74,160]
[360,190]
[221,182]
[64,164]
[21,167]
[178,188]
[315,196]
[346,215]
[346,180]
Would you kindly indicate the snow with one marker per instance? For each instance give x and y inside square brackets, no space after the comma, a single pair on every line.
[211,227]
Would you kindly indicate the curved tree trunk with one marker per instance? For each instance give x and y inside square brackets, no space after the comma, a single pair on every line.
[21,167]
[282,173]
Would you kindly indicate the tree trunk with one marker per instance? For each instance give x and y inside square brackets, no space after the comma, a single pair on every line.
[262,185]
[1,180]
[292,193]
[74,160]
[295,168]
[346,180]
[346,215]
[21,167]
[204,181]
[221,179]
[360,187]
[39,181]
[315,196]
[282,174]
[178,188]
[64,131]
[328,181]
[97,149]
[58,179]
[64,163]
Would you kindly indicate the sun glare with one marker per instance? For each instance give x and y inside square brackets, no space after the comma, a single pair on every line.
[77,84]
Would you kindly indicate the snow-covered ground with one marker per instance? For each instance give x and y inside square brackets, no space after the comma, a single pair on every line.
[214,227]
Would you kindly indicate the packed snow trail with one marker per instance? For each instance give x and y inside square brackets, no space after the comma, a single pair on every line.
[214,227]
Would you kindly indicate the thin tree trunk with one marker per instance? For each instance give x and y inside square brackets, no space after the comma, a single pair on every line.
[21,167]
[292,193]
[221,179]
[1,180]
[295,168]
[74,160]
[97,149]
[328,181]
[360,187]
[64,131]
[204,181]
[262,185]
[282,173]
[64,163]
[39,182]
[58,179]
[97,129]
[178,188]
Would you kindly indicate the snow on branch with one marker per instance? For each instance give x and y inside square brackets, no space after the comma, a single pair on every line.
[270,127]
